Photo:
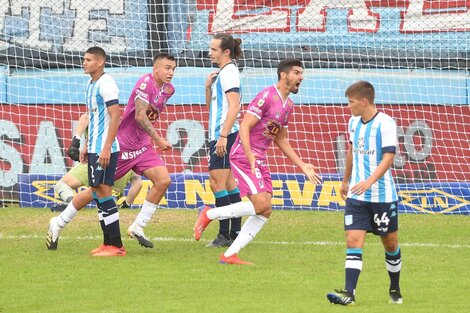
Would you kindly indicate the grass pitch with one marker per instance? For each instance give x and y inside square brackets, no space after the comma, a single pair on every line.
[298,256]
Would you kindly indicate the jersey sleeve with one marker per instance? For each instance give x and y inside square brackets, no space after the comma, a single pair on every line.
[230,80]
[257,105]
[388,132]
[109,91]
[142,89]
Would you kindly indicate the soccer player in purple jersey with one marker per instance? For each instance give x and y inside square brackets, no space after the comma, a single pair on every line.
[265,121]
[135,136]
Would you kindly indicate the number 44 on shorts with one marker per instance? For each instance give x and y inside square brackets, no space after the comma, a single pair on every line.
[384,219]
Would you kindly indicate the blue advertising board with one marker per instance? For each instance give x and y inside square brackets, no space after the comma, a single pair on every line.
[290,192]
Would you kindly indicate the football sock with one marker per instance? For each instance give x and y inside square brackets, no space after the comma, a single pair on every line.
[249,230]
[235,223]
[67,215]
[111,220]
[64,191]
[353,268]
[238,209]
[222,199]
[106,240]
[146,213]
[393,263]
[100,217]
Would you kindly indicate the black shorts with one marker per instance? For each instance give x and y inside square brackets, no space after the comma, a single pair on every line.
[98,175]
[377,218]
[216,162]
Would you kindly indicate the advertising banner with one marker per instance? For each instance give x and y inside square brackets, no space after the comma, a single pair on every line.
[290,192]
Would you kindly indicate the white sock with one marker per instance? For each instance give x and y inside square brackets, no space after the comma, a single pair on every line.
[238,209]
[67,215]
[146,213]
[249,230]
[64,191]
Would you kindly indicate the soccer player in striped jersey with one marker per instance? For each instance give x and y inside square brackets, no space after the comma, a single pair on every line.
[223,98]
[101,153]
[369,191]
[265,121]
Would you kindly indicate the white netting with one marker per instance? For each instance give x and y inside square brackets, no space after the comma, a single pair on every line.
[414,52]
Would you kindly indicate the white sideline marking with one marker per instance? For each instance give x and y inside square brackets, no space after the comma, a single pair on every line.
[301,243]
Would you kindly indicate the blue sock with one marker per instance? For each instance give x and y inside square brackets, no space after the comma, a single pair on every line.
[111,220]
[353,268]
[393,263]
[222,199]
[100,215]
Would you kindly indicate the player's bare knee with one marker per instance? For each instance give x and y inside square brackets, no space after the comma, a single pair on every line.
[353,242]
[163,183]
[263,208]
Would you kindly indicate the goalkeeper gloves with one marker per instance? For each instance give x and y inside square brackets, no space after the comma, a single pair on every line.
[74,150]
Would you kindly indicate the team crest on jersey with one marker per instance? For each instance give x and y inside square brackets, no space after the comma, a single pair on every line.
[272,129]
[143,86]
[360,142]
[168,90]
[260,102]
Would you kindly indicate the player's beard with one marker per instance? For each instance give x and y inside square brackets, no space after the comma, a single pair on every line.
[294,88]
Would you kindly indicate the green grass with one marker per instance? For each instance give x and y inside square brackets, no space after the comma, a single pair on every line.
[299,257]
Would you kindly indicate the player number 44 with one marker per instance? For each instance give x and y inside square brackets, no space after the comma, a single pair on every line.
[384,219]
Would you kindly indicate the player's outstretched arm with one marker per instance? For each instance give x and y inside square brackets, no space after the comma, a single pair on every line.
[308,169]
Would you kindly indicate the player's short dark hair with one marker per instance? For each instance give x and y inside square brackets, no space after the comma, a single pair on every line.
[361,89]
[97,51]
[161,56]
[286,65]
[228,42]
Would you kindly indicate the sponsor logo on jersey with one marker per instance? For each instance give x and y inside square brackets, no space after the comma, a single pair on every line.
[128,155]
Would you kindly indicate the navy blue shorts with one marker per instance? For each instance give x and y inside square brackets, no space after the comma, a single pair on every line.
[98,175]
[377,218]
[216,162]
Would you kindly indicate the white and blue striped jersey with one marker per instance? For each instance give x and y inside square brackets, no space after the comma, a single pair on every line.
[228,79]
[99,95]
[369,142]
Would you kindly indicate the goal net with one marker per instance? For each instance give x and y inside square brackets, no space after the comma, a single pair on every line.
[414,52]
